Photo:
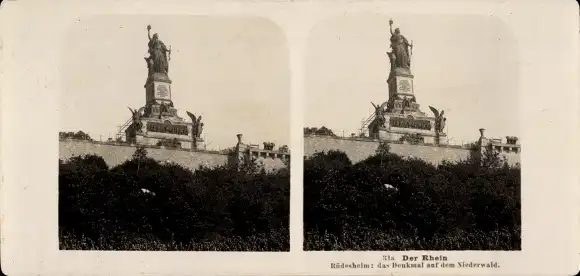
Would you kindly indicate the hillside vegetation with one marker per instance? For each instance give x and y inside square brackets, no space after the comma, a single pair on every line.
[387,202]
[142,204]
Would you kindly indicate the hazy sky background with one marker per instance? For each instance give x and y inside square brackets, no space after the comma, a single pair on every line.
[232,70]
[465,65]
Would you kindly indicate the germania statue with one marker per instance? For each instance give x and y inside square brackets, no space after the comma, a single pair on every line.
[401,55]
[159,55]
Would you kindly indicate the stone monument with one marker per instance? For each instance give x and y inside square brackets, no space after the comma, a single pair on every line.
[157,123]
[196,130]
[400,117]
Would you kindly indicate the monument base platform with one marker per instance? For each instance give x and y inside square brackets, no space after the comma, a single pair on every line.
[153,139]
[398,127]
[170,132]
[411,137]
[198,143]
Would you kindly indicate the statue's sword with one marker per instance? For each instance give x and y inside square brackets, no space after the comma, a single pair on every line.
[169,57]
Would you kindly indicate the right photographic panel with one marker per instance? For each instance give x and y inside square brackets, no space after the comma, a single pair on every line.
[411,134]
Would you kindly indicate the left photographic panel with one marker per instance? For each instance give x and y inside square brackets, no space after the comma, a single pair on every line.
[174,134]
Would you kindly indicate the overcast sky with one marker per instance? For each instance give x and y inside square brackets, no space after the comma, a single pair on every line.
[465,65]
[234,71]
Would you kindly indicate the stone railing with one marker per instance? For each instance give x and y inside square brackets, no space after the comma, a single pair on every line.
[274,153]
[368,139]
[125,144]
[269,154]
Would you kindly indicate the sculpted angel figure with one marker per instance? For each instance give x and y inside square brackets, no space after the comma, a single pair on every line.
[193,121]
[197,125]
[439,119]
[379,115]
[136,117]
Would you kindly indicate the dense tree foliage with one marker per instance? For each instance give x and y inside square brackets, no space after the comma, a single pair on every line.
[324,131]
[79,135]
[142,204]
[388,202]
[269,145]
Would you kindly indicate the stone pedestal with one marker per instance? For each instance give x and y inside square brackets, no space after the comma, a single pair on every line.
[403,119]
[401,83]
[197,143]
[160,124]
[443,139]
[158,89]
[401,93]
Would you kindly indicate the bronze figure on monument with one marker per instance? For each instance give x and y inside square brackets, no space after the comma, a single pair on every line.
[406,103]
[401,54]
[159,55]
[163,109]
[391,103]
[197,127]
[379,115]
[136,117]
[439,119]
[393,60]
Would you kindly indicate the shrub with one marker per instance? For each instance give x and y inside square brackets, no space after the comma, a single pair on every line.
[269,145]
[142,204]
[454,206]
[169,143]
[79,135]
[324,131]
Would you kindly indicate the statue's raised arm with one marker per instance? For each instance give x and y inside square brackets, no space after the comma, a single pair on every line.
[391,26]
[149,32]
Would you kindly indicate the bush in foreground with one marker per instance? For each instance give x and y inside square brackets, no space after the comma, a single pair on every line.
[387,202]
[145,205]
